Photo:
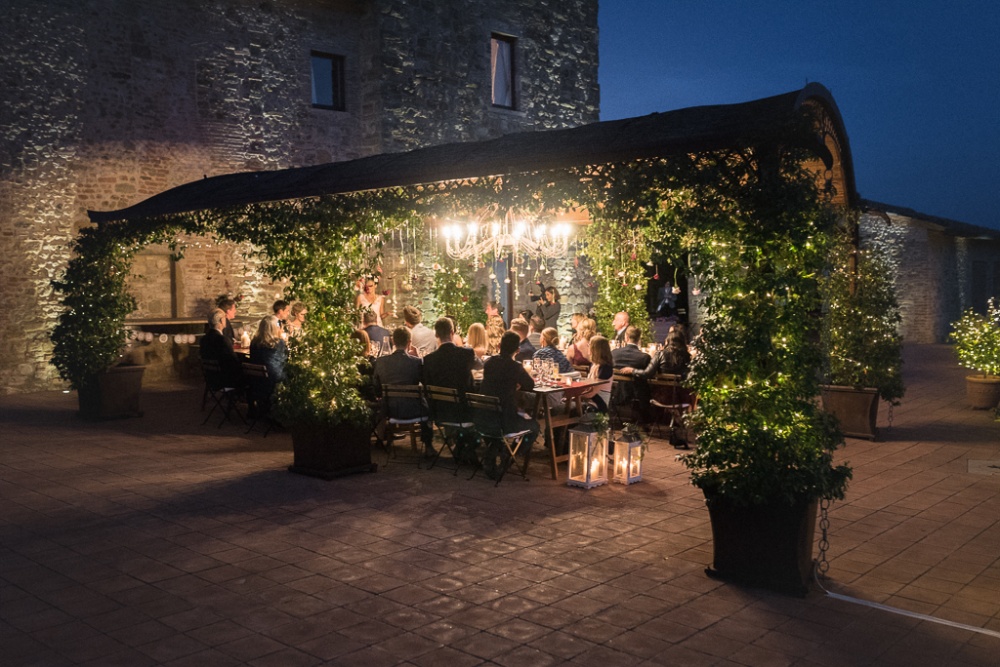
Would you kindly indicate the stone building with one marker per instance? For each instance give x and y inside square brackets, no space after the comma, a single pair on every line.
[108,102]
[942,266]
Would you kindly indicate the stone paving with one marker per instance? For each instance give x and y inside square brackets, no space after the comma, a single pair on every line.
[160,541]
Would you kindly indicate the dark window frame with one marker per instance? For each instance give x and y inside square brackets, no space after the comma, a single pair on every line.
[338,86]
[511,41]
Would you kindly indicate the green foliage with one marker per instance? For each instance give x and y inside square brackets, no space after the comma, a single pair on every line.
[861,341]
[455,293]
[977,340]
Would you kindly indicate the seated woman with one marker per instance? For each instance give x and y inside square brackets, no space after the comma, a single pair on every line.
[578,352]
[296,318]
[673,359]
[549,352]
[476,339]
[268,349]
[602,368]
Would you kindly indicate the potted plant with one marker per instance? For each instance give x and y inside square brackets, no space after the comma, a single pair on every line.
[862,347]
[977,344]
[764,456]
[90,339]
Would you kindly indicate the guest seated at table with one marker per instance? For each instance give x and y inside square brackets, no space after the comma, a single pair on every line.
[423,341]
[535,327]
[525,350]
[228,306]
[602,368]
[366,367]
[216,347]
[526,315]
[631,394]
[503,377]
[401,368]
[456,336]
[378,335]
[281,309]
[449,366]
[620,324]
[630,355]
[268,348]
[672,359]
[578,352]
[549,352]
[476,340]
[296,318]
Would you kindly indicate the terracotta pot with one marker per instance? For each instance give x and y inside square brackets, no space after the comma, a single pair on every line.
[329,453]
[112,394]
[855,409]
[982,391]
[769,546]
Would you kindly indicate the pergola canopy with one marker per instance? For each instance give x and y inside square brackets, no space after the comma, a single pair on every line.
[658,135]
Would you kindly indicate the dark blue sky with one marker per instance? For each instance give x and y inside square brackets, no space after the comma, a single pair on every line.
[917,82]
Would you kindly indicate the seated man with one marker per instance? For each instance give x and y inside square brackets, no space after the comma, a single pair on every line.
[503,377]
[620,325]
[424,341]
[228,306]
[376,334]
[631,356]
[525,350]
[536,324]
[449,366]
[216,347]
[401,368]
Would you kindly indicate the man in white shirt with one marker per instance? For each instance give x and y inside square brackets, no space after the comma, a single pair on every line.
[422,338]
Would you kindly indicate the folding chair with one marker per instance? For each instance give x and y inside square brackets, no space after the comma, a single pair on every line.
[674,401]
[488,418]
[446,406]
[258,394]
[395,399]
[224,398]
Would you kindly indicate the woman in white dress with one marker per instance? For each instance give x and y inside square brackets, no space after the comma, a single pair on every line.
[369,300]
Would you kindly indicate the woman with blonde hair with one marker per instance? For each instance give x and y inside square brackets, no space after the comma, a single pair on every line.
[602,368]
[476,339]
[578,352]
[268,348]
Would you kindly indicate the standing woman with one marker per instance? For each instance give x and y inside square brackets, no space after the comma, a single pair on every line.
[368,300]
[549,309]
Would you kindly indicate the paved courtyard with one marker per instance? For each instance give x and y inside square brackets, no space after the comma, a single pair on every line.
[161,541]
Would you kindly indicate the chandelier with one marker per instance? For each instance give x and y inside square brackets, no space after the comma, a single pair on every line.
[511,234]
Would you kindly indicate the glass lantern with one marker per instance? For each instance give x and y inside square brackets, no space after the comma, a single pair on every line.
[588,457]
[628,458]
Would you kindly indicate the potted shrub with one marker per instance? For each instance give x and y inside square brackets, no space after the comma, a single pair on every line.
[764,456]
[977,344]
[90,339]
[862,346]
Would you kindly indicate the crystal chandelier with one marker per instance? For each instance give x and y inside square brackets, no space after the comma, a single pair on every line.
[512,234]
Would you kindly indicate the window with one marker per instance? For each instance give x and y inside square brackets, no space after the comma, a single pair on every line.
[502,70]
[328,81]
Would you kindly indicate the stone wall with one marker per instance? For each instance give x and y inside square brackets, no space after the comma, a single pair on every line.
[108,102]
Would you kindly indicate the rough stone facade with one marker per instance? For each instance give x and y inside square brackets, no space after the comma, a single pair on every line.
[108,102]
[940,267]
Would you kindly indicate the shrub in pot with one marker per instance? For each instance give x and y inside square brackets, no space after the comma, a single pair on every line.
[863,351]
[977,344]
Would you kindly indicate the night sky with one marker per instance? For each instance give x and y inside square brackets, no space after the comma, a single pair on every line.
[917,82]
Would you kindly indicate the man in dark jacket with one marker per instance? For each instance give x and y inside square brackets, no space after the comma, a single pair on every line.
[376,334]
[635,394]
[525,350]
[215,346]
[503,377]
[401,368]
[449,366]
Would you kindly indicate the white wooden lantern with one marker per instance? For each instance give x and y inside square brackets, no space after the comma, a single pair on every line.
[588,457]
[628,458]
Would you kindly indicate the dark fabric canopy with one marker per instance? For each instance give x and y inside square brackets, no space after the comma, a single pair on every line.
[683,131]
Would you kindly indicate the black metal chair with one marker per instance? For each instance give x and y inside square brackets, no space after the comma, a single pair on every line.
[258,395]
[446,408]
[398,401]
[501,448]
[223,397]
[673,401]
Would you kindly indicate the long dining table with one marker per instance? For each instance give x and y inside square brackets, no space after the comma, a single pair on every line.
[572,395]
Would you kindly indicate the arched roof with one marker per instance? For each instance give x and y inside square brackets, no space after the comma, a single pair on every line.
[684,131]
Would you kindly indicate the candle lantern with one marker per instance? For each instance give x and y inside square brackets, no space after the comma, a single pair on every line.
[628,457]
[588,457]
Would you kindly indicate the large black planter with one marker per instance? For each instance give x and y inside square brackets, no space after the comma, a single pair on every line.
[327,454]
[112,394]
[769,546]
[855,409]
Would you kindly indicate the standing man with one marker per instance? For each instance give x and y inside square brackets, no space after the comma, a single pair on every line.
[422,337]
